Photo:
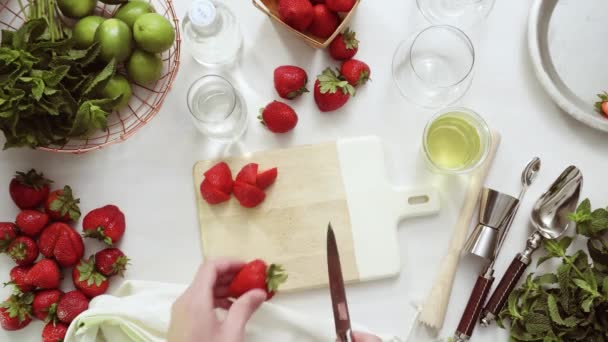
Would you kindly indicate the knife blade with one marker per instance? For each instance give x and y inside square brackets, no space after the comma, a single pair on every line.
[336,288]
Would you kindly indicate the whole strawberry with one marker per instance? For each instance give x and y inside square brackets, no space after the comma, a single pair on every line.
[44,306]
[61,205]
[340,5]
[16,311]
[29,189]
[54,332]
[45,274]
[324,21]
[602,105]
[296,13]
[23,250]
[17,275]
[111,262]
[331,92]
[257,275]
[278,117]
[61,242]
[31,222]
[71,305]
[8,233]
[290,81]
[355,72]
[88,280]
[106,224]
[345,46]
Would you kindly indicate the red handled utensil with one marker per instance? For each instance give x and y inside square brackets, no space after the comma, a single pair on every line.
[550,220]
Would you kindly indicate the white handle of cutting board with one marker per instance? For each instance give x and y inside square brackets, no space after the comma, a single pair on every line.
[415,202]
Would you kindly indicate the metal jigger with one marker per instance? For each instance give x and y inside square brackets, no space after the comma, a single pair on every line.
[495,209]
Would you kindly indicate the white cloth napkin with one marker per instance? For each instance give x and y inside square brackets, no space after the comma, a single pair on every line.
[140,311]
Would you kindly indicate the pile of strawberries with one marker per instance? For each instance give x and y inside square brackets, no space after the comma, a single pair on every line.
[332,89]
[320,17]
[248,187]
[47,232]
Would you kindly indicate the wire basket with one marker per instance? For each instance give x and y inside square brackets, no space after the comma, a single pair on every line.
[146,100]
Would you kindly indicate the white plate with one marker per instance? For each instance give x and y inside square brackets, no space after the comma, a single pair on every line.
[567,39]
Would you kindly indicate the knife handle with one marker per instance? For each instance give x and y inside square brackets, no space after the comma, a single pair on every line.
[503,290]
[473,310]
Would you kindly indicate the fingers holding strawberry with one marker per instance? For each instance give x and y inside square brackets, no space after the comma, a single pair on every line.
[257,275]
[62,206]
[29,189]
[106,224]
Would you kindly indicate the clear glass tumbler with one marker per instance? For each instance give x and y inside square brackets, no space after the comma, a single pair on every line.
[460,13]
[434,68]
[217,108]
[456,140]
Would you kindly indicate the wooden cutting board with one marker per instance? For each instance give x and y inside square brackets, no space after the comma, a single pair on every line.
[342,182]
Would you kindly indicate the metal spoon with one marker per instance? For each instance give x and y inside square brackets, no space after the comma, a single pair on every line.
[550,219]
[527,177]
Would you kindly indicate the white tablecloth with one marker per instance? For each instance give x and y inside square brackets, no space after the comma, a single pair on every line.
[149,176]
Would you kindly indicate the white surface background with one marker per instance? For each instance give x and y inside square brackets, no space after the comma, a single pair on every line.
[149,176]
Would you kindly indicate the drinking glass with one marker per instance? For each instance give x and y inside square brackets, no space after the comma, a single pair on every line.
[217,108]
[456,140]
[434,68]
[460,13]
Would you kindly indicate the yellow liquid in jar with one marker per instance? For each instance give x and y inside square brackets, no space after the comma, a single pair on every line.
[453,143]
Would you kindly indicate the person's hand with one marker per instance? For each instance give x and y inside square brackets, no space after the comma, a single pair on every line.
[363,337]
[193,318]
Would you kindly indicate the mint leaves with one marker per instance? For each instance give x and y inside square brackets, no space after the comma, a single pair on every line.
[570,304]
[49,92]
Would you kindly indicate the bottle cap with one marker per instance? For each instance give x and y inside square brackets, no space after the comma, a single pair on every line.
[202,12]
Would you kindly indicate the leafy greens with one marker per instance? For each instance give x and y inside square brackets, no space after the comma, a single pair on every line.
[570,304]
[49,91]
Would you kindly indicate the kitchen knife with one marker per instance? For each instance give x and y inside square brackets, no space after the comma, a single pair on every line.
[337,291]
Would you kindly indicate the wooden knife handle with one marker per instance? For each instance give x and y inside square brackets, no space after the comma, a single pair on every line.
[505,286]
[473,310]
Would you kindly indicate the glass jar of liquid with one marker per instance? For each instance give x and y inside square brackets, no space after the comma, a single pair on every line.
[456,140]
[211,33]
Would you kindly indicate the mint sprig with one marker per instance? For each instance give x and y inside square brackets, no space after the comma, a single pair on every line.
[570,303]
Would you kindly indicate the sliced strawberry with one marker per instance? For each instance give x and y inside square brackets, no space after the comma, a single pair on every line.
[248,174]
[266,178]
[220,177]
[211,194]
[248,195]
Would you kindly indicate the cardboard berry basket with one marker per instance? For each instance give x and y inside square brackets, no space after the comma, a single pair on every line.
[271,8]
